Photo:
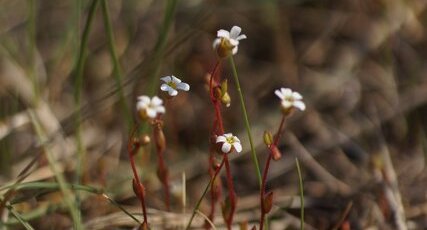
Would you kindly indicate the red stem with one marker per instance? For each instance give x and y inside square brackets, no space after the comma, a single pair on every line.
[232,194]
[165,178]
[132,151]
[265,172]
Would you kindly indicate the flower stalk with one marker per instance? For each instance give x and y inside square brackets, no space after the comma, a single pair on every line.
[246,119]
[133,147]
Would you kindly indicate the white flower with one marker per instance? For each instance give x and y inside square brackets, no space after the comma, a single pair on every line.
[229,141]
[150,107]
[228,41]
[290,99]
[172,84]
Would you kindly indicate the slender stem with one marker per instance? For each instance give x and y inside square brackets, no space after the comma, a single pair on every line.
[117,72]
[232,194]
[265,172]
[247,125]
[301,189]
[279,131]
[215,102]
[81,153]
[162,169]
[204,194]
[264,181]
[132,150]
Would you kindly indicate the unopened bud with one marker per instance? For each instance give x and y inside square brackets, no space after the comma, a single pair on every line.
[138,189]
[159,137]
[226,209]
[217,93]
[275,152]
[224,86]
[144,140]
[267,202]
[143,226]
[268,138]
[226,100]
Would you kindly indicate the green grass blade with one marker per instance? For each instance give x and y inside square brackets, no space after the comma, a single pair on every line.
[301,190]
[246,119]
[117,72]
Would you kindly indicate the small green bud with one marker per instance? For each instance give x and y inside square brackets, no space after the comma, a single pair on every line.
[268,138]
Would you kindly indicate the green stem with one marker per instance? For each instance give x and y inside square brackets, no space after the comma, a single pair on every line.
[247,124]
[77,94]
[196,208]
[160,45]
[117,72]
[301,189]
[68,195]
[19,218]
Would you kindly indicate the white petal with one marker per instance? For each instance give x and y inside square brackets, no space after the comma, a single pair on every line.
[175,79]
[226,147]
[286,92]
[296,96]
[165,87]
[220,139]
[300,105]
[279,94]
[151,113]
[160,109]
[156,101]
[144,99]
[183,86]
[235,50]
[235,31]
[223,34]
[216,43]
[166,79]
[241,37]
[235,139]
[228,135]
[233,42]
[172,92]
[287,104]
[237,147]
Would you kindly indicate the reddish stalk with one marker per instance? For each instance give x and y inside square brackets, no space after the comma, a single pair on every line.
[163,172]
[132,150]
[265,172]
[217,129]
[232,194]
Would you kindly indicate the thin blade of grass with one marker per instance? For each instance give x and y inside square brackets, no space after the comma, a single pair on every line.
[117,72]
[19,218]
[301,191]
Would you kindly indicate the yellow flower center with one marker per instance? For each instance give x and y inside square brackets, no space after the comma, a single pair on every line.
[172,84]
[230,140]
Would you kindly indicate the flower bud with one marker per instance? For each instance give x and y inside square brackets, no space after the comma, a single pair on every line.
[144,140]
[268,138]
[226,209]
[143,226]
[267,203]
[226,100]
[159,137]
[275,152]
[224,86]
[217,93]
[138,189]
